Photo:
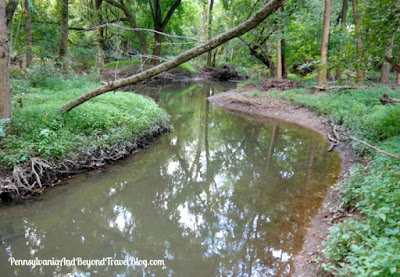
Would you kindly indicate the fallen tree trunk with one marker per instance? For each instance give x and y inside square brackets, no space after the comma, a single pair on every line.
[243,28]
[339,87]
[395,65]
[387,99]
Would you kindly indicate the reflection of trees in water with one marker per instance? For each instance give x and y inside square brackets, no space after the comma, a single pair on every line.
[227,196]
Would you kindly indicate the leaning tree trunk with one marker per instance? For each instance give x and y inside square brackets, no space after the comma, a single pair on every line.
[357,21]
[385,67]
[63,51]
[243,28]
[5,87]
[209,32]
[10,10]
[28,35]
[323,71]
[343,22]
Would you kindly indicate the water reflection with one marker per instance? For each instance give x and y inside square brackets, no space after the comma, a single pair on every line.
[220,195]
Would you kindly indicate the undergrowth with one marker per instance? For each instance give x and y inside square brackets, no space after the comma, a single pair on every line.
[369,246]
[38,129]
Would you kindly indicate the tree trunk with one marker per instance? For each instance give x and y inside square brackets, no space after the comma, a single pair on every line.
[28,35]
[5,87]
[99,34]
[343,22]
[323,71]
[239,30]
[10,10]
[398,74]
[63,52]
[158,39]
[279,50]
[357,21]
[284,65]
[159,25]
[385,67]
[209,32]
[132,22]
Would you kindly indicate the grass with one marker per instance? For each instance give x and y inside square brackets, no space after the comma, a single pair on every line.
[369,246]
[39,130]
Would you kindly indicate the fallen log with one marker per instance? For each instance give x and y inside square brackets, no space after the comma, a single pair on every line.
[387,99]
[338,87]
[376,149]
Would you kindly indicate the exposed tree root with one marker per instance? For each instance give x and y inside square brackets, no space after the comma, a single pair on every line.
[38,174]
[334,140]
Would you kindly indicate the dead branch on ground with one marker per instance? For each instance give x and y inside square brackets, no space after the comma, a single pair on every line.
[376,149]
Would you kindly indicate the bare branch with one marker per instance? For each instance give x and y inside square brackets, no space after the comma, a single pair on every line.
[376,149]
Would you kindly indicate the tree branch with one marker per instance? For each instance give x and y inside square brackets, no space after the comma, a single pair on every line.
[169,14]
[376,149]
[395,65]
[213,43]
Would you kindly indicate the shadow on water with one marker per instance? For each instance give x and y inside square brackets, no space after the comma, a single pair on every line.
[219,195]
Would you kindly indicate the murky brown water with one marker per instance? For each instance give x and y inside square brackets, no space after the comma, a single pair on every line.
[221,195]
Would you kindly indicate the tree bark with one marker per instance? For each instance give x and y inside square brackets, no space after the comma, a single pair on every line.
[398,73]
[5,87]
[343,22]
[132,22]
[10,10]
[279,50]
[63,51]
[99,34]
[395,65]
[357,21]
[209,32]
[239,30]
[323,71]
[280,55]
[28,35]
[284,65]
[385,67]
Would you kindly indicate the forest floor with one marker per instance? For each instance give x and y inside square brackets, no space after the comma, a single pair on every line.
[346,230]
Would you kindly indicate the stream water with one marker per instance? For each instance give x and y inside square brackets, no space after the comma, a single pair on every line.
[220,195]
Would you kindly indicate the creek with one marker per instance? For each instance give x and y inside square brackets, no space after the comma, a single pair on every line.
[221,194]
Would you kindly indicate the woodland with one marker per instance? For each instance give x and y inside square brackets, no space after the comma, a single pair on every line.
[64,64]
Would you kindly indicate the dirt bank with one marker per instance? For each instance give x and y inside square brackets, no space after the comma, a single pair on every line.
[306,261]
[38,174]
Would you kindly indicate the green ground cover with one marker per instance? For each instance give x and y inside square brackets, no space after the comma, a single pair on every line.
[38,129]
